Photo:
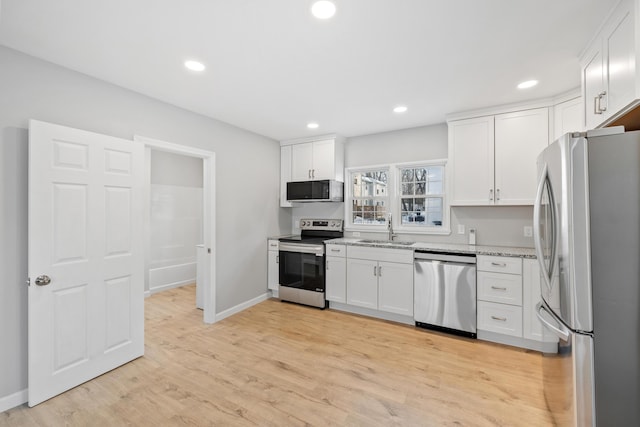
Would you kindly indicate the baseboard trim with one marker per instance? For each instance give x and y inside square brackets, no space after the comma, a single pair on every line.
[147,294]
[407,320]
[171,286]
[242,306]
[13,400]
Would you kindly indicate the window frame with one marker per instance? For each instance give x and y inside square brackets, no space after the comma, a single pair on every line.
[348,206]
[393,199]
[397,202]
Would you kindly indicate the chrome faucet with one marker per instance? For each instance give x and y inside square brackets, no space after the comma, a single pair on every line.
[390,229]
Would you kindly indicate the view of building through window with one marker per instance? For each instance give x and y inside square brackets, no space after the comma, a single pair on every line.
[369,197]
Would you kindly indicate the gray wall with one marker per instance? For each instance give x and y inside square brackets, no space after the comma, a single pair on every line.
[175,169]
[246,173]
[496,225]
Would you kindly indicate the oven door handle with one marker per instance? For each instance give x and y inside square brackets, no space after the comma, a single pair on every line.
[317,250]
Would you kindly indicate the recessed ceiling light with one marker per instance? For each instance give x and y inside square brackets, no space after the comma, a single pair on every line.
[527,84]
[312,125]
[194,65]
[323,9]
[400,109]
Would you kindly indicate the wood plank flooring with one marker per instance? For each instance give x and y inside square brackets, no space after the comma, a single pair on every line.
[279,364]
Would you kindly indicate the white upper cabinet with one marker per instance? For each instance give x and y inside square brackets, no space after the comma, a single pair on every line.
[471,161]
[609,70]
[493,158]
[519,138]
[567,117]
[316,159]
[301,161]
[285,174]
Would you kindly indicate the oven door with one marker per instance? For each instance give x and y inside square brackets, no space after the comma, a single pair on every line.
[302,266]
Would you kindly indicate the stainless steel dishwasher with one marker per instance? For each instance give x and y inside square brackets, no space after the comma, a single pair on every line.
[445,292]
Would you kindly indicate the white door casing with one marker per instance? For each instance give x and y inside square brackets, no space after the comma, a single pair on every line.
[208,212]
[85,233]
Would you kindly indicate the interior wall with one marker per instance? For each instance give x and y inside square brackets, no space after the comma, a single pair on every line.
[175,219]
[247,183]
[495,225]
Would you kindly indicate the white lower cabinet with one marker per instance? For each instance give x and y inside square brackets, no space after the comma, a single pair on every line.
[336,273]
[362,283]
[501,318]
[395,288]
[380,279]
[508,291]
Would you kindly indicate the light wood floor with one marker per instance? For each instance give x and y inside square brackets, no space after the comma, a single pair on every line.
[279,364]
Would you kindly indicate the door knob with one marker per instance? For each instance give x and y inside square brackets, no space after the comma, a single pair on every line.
[43,280]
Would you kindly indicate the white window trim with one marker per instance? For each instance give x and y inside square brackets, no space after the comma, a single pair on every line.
[445,229]
[349,226]
[393,198]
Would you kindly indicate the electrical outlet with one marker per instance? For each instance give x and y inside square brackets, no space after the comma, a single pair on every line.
[460,228]
[356,234]
[528,231]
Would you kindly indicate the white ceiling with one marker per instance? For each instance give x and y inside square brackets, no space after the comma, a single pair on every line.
[272,67]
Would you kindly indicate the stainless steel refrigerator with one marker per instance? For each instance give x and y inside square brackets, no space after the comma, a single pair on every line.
[587,239]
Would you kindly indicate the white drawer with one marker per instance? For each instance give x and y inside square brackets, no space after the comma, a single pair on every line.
[273,245]
[404,256]
[501,288]
[499,264]
[500,318]
[336,250]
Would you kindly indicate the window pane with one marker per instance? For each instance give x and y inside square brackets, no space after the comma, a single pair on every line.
[435,187]
[407,204]
[434,204]
[434,218]
[418,204]
[435,173]
[407,189]
[421,174]
[368,217]
[420,186]
[407,175]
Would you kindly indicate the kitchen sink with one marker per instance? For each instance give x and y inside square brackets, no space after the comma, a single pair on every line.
[385,242]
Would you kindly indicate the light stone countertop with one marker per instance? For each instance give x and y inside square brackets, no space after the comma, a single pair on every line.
[442,247]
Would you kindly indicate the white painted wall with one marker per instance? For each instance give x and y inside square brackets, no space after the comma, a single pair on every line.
[247,183]
[499,225]
[176,219]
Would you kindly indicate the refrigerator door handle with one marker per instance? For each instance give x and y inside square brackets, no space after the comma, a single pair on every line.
[537,238]
[545,317]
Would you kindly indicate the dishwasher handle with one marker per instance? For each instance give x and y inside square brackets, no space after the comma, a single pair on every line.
[434,256]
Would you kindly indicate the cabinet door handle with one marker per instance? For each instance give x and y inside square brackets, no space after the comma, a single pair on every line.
[600,96]
[501,319]
[374,271]
[499,264]
[596,101]
[277,259]
[497,194]
[498,288]
[380,271]
[327,264]
[309,174]
[491,194]
[313,173]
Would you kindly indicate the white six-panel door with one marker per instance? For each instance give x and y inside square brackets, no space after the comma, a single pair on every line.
[85,235]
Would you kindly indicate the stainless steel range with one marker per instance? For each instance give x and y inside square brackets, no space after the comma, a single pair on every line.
[302,262]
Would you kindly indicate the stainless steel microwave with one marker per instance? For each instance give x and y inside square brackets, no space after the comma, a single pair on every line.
[325,190]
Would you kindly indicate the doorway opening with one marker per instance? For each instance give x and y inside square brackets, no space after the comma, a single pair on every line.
[166,263]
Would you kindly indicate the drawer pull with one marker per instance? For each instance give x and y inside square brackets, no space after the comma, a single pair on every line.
[499,264]
[274,245]
[335,250]
[498,288]
[501,319]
